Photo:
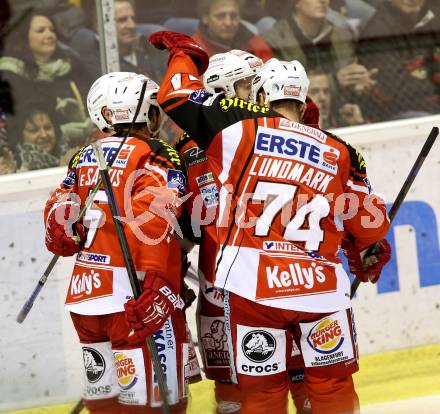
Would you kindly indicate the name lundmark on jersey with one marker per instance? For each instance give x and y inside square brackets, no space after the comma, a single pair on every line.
[292,171]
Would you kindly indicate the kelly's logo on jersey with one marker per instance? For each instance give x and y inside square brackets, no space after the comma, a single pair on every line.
[290,276]
[227,103]
[87,283]
[125,370]
[326,336]
[298,147]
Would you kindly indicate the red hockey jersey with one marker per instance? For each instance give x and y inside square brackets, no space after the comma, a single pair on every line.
[146,176]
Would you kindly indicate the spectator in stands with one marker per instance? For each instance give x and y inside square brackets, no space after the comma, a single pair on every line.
[306,34]
[333,110]
[34,64]
[402,40]
[7,159]
[221,30]
[36,139]
[136,55]
[65,16]
[321,91]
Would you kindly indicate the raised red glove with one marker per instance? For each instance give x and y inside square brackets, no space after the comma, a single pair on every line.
[64,237]
[148,313]
[174,42]
[367,268]
[311,114]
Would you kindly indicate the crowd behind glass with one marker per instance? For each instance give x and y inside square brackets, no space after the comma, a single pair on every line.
[367,60]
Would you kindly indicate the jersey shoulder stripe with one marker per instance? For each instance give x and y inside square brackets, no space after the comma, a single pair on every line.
[182,141]
[164,154]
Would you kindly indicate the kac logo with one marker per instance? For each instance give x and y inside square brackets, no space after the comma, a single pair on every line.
[258,345]
[94,364]
[176,180]
[326,336]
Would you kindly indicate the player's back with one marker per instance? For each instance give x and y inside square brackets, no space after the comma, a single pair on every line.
[280,232]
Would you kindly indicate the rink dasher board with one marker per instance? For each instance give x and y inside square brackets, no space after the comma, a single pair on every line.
[41,360]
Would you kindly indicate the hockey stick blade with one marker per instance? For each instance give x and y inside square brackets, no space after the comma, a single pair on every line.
[30,302]
[402,194]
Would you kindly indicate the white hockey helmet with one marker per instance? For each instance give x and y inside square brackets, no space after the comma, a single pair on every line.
[227,68]
[281,80]
[124,97]
[97,97]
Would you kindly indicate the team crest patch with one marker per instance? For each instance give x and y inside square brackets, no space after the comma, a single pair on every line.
[368,184]
[69,181]
[199,96]
[176,179]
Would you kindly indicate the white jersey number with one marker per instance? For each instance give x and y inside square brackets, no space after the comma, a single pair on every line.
[316,209]
[94,217]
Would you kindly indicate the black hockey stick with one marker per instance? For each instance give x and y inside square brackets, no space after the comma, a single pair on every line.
[128,260]
[30,301]
[78,407]
[402,194]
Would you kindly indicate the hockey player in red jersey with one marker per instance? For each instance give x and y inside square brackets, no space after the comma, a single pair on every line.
[147,178]
[229,74]
[289,194]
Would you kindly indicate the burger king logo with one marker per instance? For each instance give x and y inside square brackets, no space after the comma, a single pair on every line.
[126,371]
[326,336]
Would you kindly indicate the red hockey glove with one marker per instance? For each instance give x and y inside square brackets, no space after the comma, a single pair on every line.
[311,114]
[65,237]
[367,268]
[174,42]
[148,313]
